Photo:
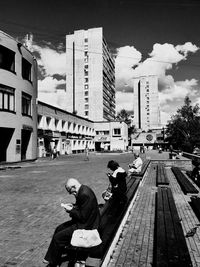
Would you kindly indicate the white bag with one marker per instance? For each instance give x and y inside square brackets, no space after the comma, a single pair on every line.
[85,238]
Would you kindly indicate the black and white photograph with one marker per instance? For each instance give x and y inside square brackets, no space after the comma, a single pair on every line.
[100,133]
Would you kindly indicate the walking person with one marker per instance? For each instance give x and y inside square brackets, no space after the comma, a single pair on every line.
[54,153]
[86,152]
[84,215]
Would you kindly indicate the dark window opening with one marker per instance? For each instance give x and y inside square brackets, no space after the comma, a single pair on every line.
[7,98]
[7,59]
[26,104]
[117,131]
[26,69]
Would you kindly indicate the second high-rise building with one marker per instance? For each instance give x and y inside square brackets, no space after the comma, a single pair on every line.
[90,75]
[146,103]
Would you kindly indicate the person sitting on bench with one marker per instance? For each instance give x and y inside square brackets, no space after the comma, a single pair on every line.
[195,176]
[118,181]
[85,215]
[136,166]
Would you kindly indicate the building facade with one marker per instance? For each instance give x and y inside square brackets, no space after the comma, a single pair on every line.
[67,132]
[111,136]
[90,75]
[18,93]
[146,103]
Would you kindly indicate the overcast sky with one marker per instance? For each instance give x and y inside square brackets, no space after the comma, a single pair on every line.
[146,37]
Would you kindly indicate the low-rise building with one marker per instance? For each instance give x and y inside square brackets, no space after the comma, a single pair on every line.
[18,93]
[67,132]
[111,136]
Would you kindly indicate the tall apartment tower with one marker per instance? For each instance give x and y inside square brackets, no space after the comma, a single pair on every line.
[90,76]
[146,103]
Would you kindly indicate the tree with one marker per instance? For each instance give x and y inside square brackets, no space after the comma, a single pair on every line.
[123,115]
[183,131]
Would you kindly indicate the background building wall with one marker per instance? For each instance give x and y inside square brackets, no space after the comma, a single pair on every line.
[146,102]
[68,132]
[87,55]
[15,120]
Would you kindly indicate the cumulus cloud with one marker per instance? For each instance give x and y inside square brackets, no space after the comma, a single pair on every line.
[186,48]
[178,90]
[124,101]
[160,60]
[52,61]
[57,99]
[127,58]
[52,69]
[49,84]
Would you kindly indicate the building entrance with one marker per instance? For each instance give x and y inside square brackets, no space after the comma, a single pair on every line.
[5,137]
[26,134]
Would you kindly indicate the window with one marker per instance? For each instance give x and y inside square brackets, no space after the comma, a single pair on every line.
[26,104]
[86,80]
[86,100]
[117,131]
[48,119]
[86,40]
[7,59]
[86,93]
[56,123]
[39,118]
[26,69]
[86,86]
[86,113]
[7,98]
[86,106]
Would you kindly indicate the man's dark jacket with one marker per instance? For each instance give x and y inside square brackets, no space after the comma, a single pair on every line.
[86,211]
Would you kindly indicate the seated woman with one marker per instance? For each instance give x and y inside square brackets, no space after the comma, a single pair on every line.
[136,166]
[117,180]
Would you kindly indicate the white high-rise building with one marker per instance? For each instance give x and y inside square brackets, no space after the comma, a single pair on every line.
[146,102]
[90,76]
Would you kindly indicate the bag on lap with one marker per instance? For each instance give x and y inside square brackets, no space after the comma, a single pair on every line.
[85,238]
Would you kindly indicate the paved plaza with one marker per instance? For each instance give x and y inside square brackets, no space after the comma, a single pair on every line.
[30,199]
[30,202]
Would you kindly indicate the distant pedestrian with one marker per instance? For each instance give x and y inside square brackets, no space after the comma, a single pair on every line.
[54,154]
[86,152]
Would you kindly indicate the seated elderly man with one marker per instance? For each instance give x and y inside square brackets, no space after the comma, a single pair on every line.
[136,166]
[84,215]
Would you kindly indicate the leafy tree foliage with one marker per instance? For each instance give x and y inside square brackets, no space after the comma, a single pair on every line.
[124,115]
[183,130]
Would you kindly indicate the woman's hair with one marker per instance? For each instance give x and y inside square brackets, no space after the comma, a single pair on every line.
[113,165]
